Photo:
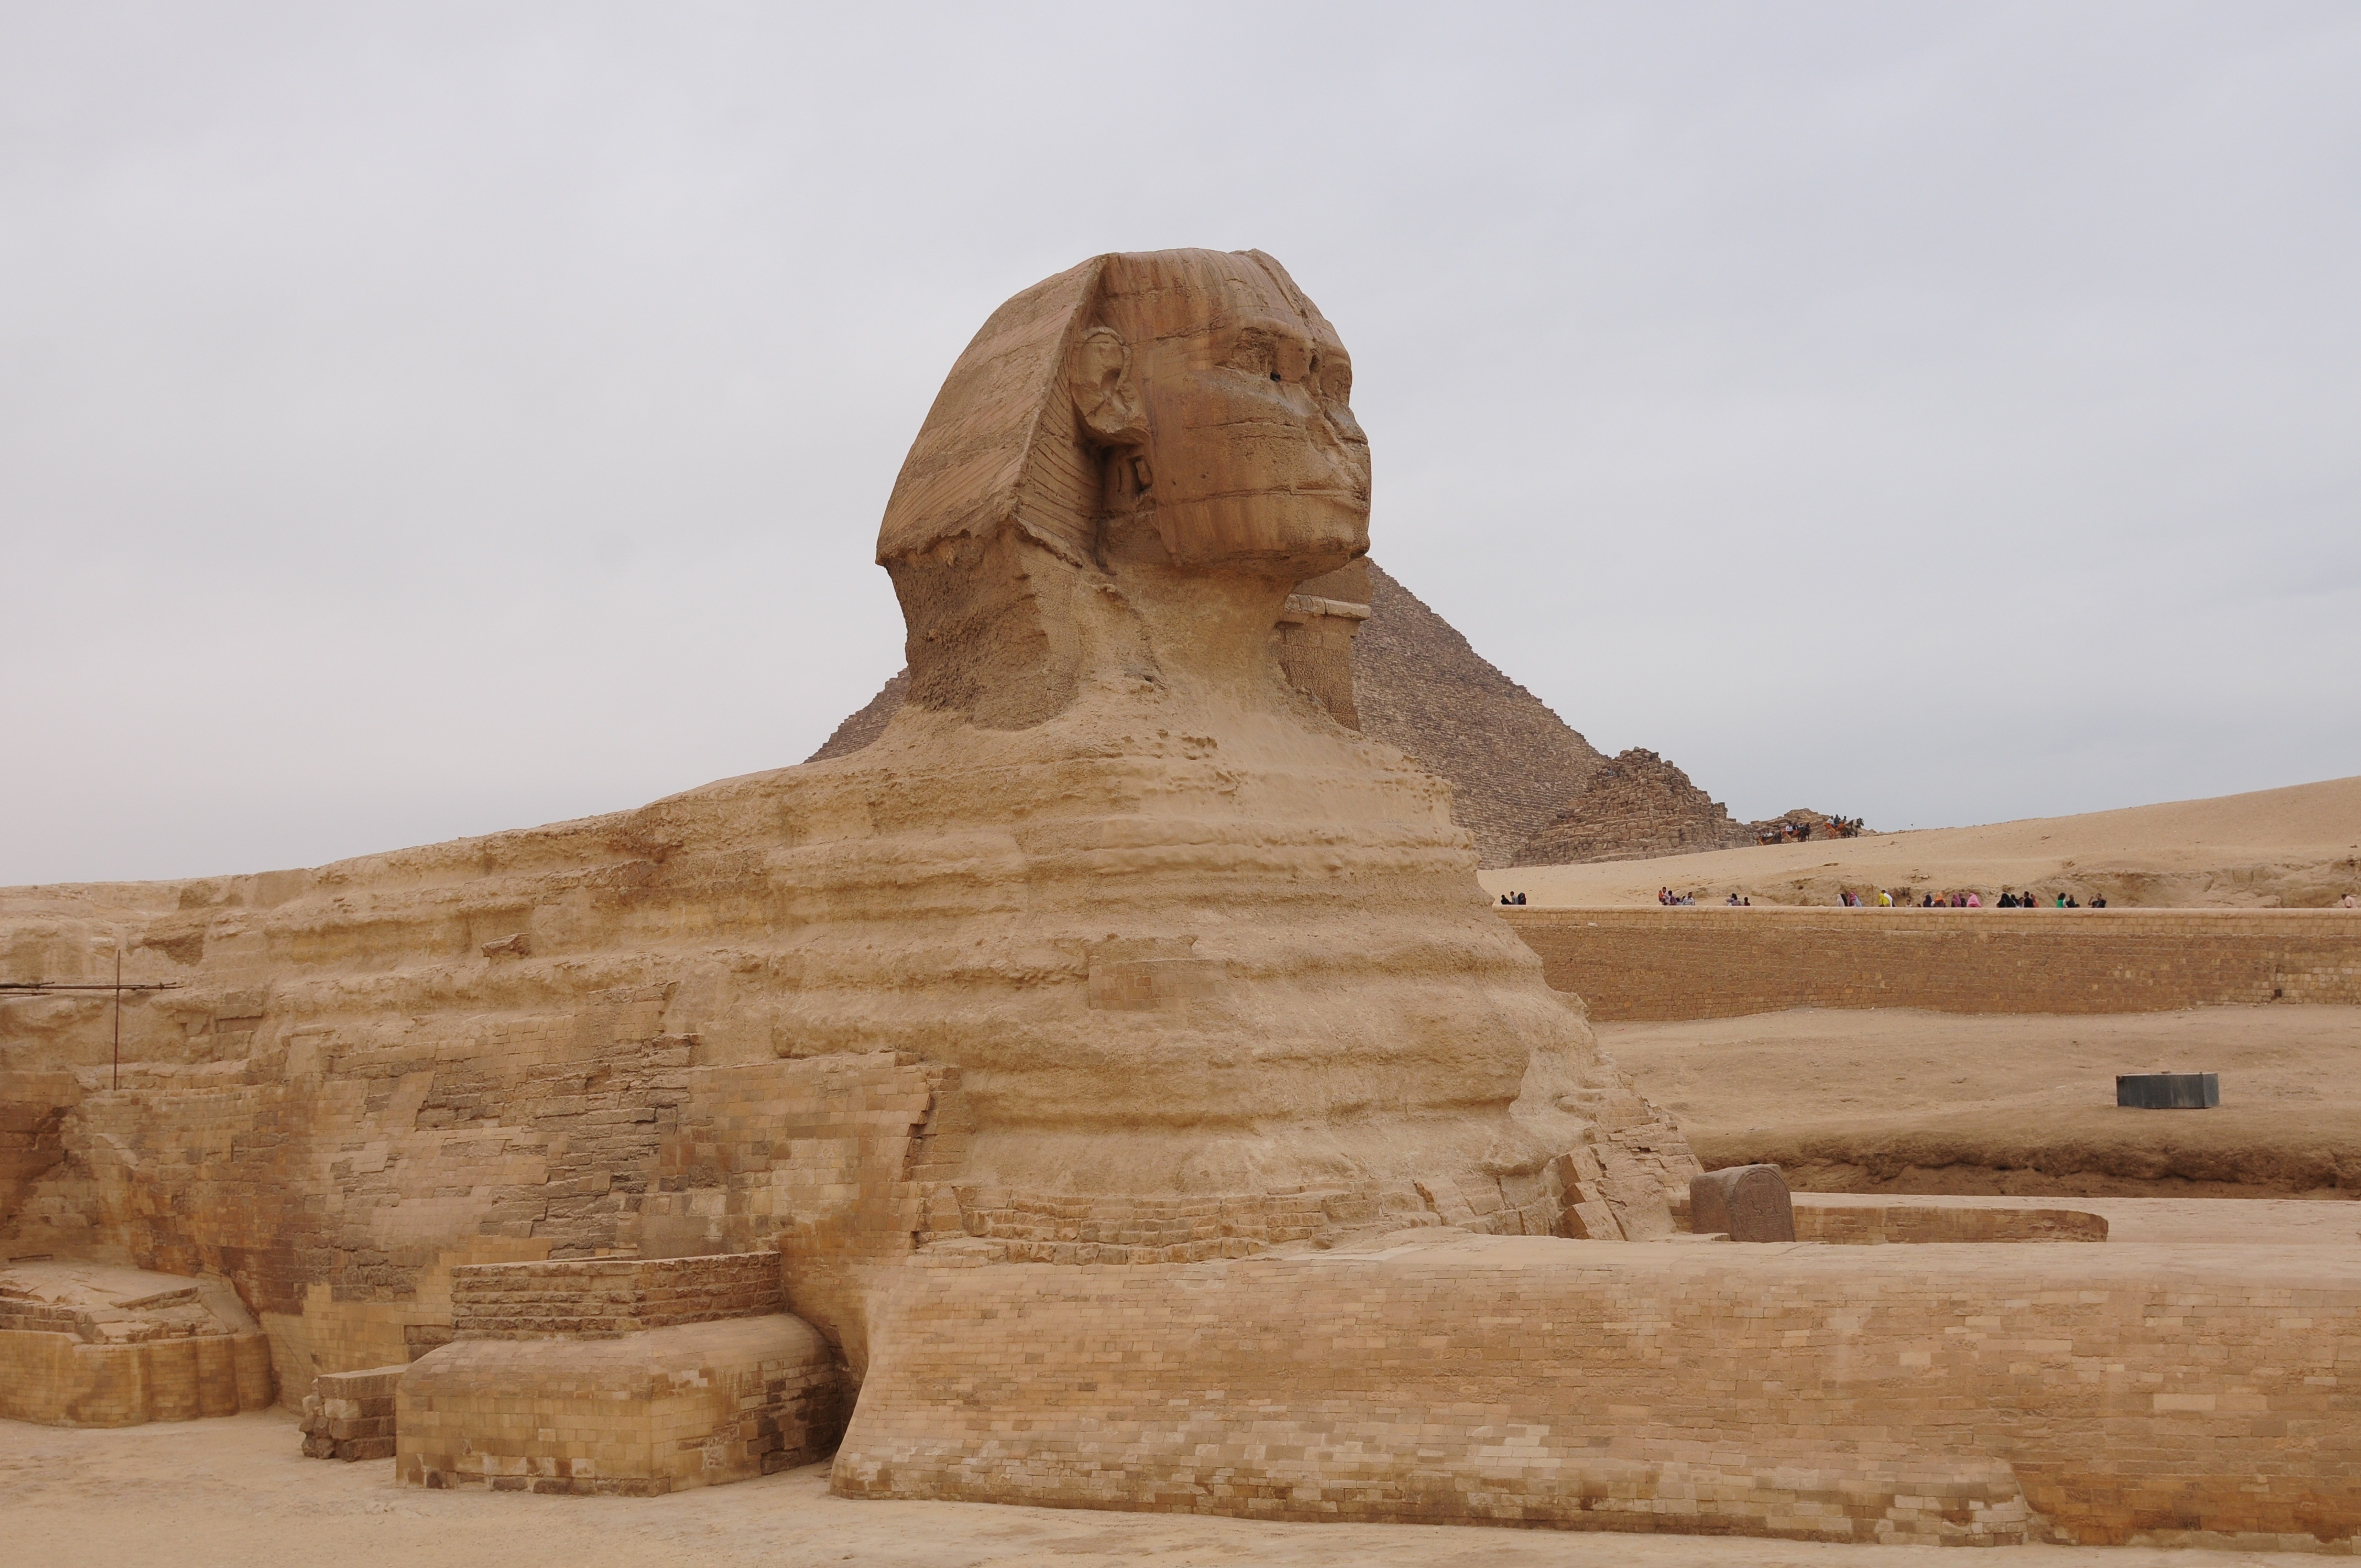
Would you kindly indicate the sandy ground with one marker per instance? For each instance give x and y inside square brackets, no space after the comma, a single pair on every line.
[234,1493]
[2295,847]
[1894,1101]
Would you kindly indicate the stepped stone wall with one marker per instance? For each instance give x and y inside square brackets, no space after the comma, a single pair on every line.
[1717,962]
[609,1297]
[97,1345]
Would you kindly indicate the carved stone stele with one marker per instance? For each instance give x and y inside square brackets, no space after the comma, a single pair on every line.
[1744,1202]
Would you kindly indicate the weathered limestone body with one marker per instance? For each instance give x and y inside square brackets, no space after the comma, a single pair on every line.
[1114,947]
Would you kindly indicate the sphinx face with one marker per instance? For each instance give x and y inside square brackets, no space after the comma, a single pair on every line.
[1254,459]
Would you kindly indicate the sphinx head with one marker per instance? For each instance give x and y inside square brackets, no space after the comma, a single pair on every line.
[1174,426]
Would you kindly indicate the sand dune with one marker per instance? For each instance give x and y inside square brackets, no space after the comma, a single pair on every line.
[2294,847]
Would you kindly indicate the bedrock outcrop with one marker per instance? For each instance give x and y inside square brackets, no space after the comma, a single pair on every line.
[1113,947]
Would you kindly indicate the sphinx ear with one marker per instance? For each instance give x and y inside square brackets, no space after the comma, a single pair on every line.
[1106,395]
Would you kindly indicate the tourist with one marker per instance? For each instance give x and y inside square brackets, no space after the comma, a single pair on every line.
[2099,901]
[2007,900]
[2351,901]
[1885,899]
[1974,902]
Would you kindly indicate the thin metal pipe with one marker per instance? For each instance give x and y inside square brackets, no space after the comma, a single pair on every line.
[9,987]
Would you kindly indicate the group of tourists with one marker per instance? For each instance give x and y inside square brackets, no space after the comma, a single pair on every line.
[1670,899]
[1900,897]
[2029,899]
[1512,898]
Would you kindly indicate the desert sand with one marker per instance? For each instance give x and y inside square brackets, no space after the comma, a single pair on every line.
[233,1492]
[2294,848]
[1863,1100]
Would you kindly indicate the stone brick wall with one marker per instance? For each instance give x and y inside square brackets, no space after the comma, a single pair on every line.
[605,1298]
[2179,1395]
[350,1415]
[1712,962]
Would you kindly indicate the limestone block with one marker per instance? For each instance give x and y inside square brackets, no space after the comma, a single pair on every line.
[640,1414]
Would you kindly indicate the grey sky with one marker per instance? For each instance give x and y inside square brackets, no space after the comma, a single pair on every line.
[417,420]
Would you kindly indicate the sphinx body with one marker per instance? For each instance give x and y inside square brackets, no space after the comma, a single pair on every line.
[1115,947]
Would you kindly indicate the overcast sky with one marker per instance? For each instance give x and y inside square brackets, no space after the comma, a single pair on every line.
[418,420]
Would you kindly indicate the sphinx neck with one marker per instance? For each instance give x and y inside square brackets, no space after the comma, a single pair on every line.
[1208,633]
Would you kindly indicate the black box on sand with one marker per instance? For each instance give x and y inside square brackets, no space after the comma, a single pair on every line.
[2168,1090]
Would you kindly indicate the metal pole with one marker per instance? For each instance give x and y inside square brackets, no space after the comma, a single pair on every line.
[119,1013]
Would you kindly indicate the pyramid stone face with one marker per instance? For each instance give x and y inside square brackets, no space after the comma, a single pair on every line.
[1113,946]
[1636,806]
[1510,762]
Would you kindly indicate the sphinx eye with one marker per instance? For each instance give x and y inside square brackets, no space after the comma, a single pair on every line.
[1254,355]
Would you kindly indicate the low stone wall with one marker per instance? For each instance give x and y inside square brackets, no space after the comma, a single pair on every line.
[59,1379]
[1843,1393]
[1866,1222]
[1714,962]
[607,1297]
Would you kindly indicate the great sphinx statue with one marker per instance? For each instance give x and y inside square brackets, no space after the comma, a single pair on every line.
[1117,946]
